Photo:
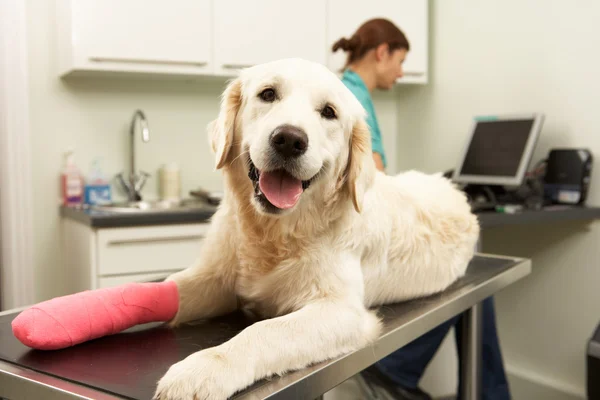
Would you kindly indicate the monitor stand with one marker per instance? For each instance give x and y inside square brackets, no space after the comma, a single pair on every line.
[485,197]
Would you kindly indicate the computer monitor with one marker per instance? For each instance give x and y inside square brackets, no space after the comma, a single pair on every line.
[499,149]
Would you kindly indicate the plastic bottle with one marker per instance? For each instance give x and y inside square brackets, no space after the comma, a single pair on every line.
[97,188]
[170,182]
[71,181]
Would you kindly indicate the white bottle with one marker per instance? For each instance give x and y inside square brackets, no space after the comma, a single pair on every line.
[170,182]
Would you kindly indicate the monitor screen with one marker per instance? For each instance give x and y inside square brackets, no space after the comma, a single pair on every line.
[496,148]
[499,150]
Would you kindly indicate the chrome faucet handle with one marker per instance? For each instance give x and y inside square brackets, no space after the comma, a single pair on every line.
[123,182]
[128,187]
[133,184]
[140,181]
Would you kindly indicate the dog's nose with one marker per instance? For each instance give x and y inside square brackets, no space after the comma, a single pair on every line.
[289,141]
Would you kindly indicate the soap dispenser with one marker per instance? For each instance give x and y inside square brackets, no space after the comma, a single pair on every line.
[71,181]
[97,188]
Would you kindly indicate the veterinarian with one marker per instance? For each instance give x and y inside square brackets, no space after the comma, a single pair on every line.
[376,52]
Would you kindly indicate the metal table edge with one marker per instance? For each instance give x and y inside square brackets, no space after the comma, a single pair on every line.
[14,379]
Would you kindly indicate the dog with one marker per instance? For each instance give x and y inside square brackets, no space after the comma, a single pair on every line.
[309,235]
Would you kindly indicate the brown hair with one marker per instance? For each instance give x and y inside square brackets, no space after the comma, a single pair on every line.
[370,35]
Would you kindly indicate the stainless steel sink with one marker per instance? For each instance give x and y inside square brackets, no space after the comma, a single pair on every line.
[153,206]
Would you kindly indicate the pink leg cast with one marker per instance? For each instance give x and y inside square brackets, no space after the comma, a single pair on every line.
[73,319]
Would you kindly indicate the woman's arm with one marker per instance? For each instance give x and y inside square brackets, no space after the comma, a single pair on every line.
[378,161]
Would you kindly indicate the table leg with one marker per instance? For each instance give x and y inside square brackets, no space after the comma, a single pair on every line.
[470,358]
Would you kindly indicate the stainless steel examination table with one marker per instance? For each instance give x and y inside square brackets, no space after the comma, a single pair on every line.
[128,365]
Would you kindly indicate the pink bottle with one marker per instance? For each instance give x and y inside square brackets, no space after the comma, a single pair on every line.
[71,181]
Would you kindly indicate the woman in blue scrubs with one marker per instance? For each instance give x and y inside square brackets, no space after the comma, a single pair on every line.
[375,56]
[376,52]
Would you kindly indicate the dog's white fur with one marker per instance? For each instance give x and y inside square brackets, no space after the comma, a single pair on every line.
[357,238]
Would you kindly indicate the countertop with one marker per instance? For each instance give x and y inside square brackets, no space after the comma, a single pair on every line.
[128,365]
[487,219]
[110,219]
[549,214]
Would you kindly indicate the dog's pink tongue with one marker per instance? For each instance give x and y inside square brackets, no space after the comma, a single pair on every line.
[280,188]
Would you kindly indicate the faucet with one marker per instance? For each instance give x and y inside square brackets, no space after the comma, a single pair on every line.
[134,183]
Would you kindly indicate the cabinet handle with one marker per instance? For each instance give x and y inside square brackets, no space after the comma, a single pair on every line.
[237,66]
[153,240]
[147,61]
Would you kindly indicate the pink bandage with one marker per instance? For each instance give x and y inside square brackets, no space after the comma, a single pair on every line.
[73,319]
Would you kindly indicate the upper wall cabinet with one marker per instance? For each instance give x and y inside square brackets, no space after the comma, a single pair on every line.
[252,32]
[140,36]
[345,16]
[187,38]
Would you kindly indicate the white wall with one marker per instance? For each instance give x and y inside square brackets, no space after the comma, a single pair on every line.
[93,114]
[514,56]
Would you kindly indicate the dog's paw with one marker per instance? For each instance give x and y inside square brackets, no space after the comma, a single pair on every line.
[206,375]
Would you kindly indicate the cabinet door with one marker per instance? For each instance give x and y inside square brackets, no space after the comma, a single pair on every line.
[141,35]
[411,16]
[257,31]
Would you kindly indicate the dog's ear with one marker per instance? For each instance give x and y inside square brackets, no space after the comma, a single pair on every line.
[221,130]
[360,171]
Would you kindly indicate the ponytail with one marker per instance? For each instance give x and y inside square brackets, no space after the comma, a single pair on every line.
[346,45]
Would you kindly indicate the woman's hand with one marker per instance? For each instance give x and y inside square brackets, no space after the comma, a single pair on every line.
[378,161]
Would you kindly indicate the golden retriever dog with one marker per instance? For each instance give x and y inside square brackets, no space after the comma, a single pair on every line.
[309,234]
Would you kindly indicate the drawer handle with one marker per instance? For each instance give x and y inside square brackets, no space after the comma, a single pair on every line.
[148,61]
[413,73]
[153,240]
[237,66]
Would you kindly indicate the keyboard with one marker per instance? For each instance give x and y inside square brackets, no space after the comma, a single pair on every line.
[482,206]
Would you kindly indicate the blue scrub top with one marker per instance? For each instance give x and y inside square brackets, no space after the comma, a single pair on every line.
[357,86]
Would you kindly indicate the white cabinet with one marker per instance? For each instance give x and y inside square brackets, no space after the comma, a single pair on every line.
[257,31]
[189,38]
[134,36]
[411,16]
[105,257]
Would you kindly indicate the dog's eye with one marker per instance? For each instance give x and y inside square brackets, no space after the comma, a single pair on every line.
[328,112]
[267,95]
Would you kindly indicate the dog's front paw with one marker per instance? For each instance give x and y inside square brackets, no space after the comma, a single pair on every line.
[206,375]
